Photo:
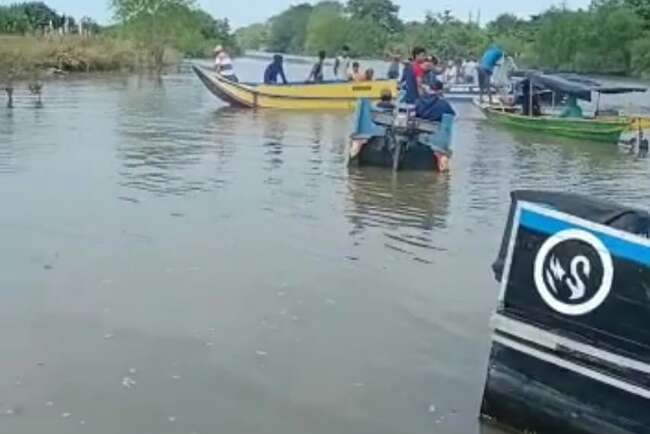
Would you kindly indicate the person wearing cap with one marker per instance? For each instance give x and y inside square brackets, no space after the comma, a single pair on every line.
[275,70]
[223,64]
[434,105]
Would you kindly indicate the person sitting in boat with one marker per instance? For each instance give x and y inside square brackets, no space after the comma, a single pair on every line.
[386,102]
[434,105]
[223,64]
[572,109]
[275,71]
[393,68]
[490,59]
[369,74]
[317,74]
[355,73]
[342,63]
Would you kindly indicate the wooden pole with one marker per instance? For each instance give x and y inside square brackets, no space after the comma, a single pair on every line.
[530,97]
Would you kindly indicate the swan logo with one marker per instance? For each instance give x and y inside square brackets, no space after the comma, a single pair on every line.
[574,272]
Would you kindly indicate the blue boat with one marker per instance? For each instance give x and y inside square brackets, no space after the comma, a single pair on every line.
[397,139]
[571,340]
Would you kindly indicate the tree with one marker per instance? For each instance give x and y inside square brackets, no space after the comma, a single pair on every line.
[327,28]
[253,37]
[383,13]
[155,25]
[288,30]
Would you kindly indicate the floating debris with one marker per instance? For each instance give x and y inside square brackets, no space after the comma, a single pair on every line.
[48,267]
[49,404]
[10,412]
[358,385]
[295,318]
[281,294]
[261,353]
[177,214]
[82,422]
[284,312]
[128,382]
[66,415]
[19,383]
[133,371]
[40,364]
[171,418]
[330,301]
[432,408]
[108,336]
[176,377]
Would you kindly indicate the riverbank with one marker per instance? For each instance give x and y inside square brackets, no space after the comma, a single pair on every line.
[22,56]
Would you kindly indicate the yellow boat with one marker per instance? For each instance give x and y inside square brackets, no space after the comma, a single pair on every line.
[316,96]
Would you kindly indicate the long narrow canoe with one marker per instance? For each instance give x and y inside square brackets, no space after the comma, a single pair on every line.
[599,130]
[324,96]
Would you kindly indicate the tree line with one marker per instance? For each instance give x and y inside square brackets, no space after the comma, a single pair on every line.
[610,36]
[150,27]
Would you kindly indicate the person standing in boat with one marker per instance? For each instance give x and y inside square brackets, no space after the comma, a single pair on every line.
[490,59]
[342,64]
[275,71]
[223,64]
[317,74]
[393,68]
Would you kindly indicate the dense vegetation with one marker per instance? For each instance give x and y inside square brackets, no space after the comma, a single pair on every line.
[147,34]
[611,36]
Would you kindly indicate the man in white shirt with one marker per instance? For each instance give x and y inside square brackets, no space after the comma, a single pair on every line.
[342,64]
[223,64]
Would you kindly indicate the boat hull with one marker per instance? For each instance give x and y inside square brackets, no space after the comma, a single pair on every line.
[606,131]
[571,357]
[376,153]
[324,96]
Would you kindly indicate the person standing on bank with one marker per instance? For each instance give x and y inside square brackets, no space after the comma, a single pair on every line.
[223,64]
[489,61]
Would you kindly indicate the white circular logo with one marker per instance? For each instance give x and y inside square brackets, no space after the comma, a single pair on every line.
[573,272]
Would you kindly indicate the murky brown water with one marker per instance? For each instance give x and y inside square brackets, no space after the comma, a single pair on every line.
[169,265]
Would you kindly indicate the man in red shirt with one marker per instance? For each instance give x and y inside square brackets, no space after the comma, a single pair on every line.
[419,58]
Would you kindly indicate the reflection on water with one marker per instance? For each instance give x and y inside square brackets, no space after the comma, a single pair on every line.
[229,269]
[408,208]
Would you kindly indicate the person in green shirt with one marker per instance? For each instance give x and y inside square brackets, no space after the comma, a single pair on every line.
[572,109]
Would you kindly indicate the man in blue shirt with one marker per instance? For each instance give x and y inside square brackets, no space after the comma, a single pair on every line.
[275,70]
[432,106]
[489,61]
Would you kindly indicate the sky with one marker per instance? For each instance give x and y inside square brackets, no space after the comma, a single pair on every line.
[244,12]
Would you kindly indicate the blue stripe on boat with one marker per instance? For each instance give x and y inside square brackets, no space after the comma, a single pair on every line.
[619,247]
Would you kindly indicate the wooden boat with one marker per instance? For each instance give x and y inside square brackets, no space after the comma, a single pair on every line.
[598,128]
[398,140]
[303,96]
[571,341]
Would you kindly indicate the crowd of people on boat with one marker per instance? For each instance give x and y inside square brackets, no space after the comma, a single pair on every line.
[422,77]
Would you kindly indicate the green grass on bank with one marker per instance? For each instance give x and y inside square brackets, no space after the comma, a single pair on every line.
[23,55]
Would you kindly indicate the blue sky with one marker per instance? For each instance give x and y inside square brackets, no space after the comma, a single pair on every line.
[244,12]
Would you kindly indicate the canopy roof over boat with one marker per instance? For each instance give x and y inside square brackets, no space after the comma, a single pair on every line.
[574,85]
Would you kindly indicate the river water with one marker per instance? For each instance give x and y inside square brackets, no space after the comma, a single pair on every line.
[171,265]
